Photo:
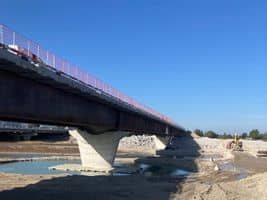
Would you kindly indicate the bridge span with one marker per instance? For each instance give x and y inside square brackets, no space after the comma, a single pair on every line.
[38,87]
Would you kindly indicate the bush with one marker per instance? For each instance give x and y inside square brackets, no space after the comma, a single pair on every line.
[211,134]
[264,136]
[244,135]
[199,132]
[254,134]
[225,136]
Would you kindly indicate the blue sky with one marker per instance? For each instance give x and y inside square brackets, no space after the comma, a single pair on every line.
[202,63]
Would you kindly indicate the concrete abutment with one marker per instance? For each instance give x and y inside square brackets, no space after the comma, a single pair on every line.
[98,152]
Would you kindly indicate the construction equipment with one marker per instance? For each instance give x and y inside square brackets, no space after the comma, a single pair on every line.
[235,144]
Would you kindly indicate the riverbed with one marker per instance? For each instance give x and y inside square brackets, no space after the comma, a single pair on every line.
[136,175]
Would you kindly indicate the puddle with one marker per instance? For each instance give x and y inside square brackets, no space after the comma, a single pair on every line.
[143,167]
[120,169]
[180,172]
[242,176]
[243,172]
[206,157]
[159,171]
[230,167]
[148,170]
[209,157]
[120,174]
[36,167]
[33,155]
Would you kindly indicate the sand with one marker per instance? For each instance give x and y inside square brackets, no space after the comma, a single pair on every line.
[206,183]
[129,187]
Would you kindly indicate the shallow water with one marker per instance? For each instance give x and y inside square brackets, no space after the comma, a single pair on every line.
[181,172]
[209,157]
[205,157]
[28,155]
[242,176]
[231,167]
[121,169]
[243,172]
[35,167]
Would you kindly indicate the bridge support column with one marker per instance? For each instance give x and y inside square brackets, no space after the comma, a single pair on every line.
[97,151]
[160,142]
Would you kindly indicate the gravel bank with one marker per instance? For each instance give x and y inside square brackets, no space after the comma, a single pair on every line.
[209,145]
[138,143]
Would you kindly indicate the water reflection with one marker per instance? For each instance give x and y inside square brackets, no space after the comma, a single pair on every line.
[30,155]
[35,167]
[243,172]
[120,169]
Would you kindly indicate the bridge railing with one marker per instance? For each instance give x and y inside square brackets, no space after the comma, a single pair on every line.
[13,39]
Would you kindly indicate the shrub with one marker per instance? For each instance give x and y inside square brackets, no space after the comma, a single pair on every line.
[211,134]
[225,136]
[244,135]
[254,134]
[199,132]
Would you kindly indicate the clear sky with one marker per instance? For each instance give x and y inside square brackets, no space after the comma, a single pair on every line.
[202,63]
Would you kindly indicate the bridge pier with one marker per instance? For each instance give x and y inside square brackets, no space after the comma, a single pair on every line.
[160,142]
[97,151]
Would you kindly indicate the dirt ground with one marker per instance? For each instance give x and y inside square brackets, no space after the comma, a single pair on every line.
[130,187]
[46,147]
[253,187]
[210,185]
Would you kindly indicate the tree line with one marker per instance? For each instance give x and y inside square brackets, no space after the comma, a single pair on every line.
[253,134]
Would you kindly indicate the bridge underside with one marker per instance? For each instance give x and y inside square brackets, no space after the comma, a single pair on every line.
[27,100]
[38,95]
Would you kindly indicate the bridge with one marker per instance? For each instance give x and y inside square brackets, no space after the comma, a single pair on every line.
[38,87]
[17,134]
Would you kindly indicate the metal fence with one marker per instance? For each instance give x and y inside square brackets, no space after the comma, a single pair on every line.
[11,38]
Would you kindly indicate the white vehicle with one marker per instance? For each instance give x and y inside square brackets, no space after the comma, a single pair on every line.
[13,49]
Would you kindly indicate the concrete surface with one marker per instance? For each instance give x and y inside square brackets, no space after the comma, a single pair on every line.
[98,152]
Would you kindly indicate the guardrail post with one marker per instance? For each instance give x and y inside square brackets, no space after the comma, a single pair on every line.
[63,66]
[38,51]
[54,61]
[28,47]
[1,34]
[14,38]
[87,79]
[47,58]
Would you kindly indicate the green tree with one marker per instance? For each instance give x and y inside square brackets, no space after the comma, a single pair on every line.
[199,132]
[254,134]
[227,136]
[264,136]
[244,135]
[188,133]
[211,134]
